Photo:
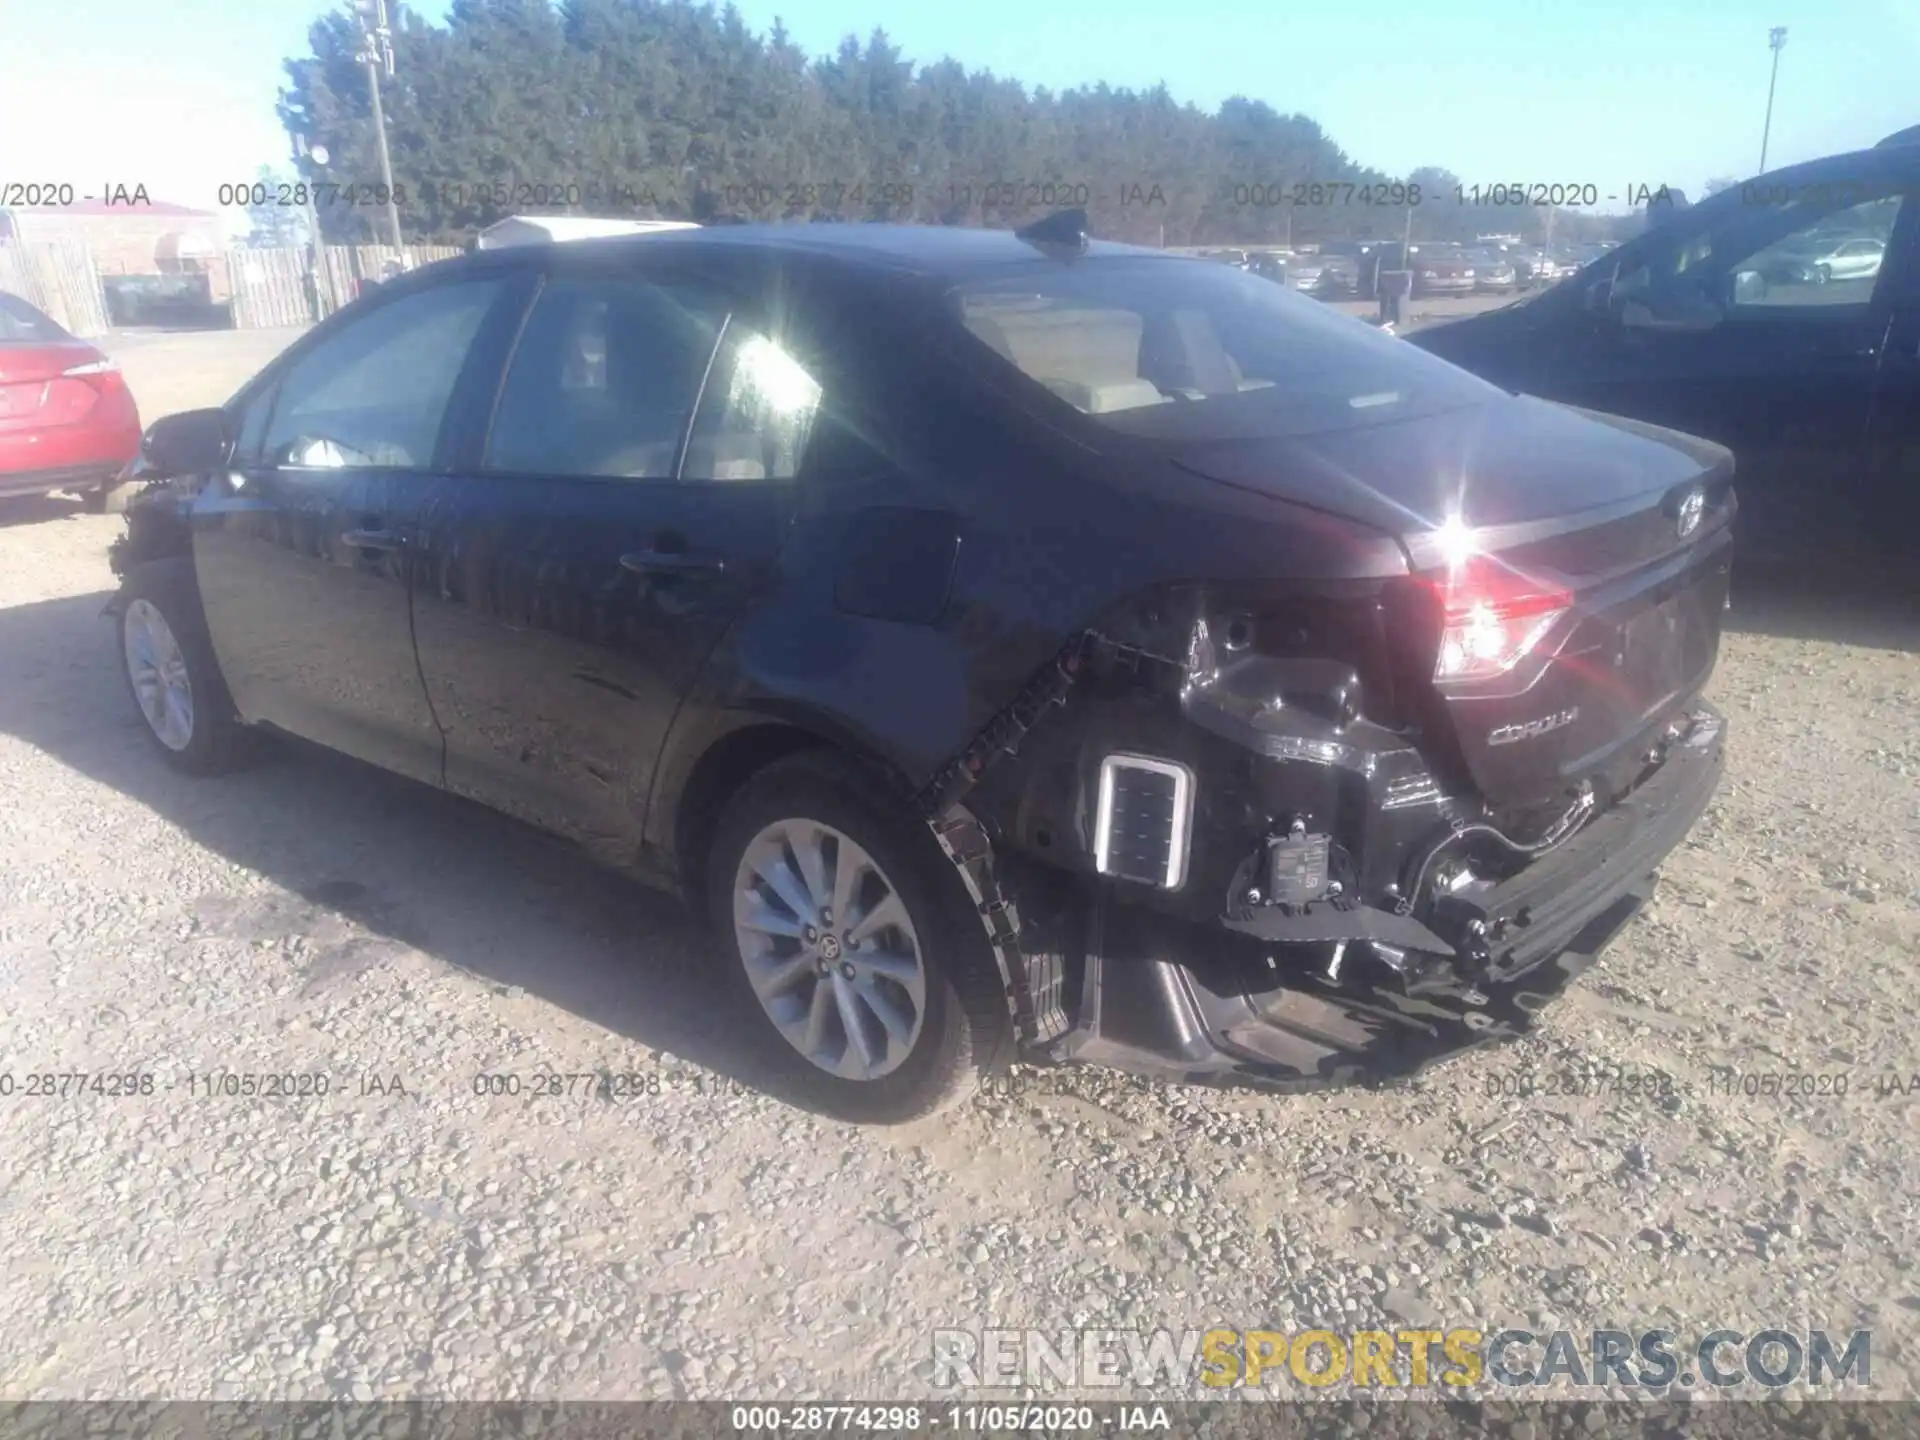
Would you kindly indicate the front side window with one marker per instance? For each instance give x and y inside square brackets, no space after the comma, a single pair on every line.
[1806,249]
[1186,350]
[250,426]
[604,379]
[375,392]
[1832,260]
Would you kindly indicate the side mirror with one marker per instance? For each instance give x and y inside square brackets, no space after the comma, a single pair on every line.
[194,442]
[1749,287]
[1599,297]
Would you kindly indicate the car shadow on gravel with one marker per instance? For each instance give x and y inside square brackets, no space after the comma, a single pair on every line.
[1878,613]
[398,861]
[37,509]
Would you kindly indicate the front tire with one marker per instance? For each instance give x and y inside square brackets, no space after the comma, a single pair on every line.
[850,949]
[171,674]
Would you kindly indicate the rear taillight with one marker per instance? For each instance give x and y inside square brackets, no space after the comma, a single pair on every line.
[1493,618]
[102,374]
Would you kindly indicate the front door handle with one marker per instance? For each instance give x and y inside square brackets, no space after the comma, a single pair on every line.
[373,539]
[672,562]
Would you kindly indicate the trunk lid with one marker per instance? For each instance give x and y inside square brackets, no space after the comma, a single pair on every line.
[38,388]
[1589,552]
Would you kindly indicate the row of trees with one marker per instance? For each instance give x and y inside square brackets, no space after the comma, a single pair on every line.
[672,110]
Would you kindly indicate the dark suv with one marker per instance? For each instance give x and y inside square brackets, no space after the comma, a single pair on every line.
[1781,318]
[1006,640]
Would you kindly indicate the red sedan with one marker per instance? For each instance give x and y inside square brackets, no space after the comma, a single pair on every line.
[67,419]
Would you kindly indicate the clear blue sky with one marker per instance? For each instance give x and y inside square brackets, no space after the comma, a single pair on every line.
[178,94]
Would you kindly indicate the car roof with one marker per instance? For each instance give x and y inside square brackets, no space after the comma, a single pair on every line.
[936,251]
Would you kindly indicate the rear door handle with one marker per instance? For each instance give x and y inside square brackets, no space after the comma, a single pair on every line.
[373,539]
[672,562]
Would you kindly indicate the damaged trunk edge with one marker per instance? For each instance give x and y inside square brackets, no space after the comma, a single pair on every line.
[156,526]
[1200,857]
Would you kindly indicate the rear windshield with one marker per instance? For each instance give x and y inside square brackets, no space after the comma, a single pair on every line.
[21,324]
[1186,350]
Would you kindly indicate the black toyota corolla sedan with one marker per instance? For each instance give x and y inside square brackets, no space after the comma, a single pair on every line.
[1014,644]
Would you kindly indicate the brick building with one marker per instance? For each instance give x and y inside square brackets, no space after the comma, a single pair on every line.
[154,238]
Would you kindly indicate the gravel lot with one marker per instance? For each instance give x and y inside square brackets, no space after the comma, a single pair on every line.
[402,1236]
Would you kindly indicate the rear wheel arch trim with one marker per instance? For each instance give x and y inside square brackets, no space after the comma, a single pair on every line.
[691,791]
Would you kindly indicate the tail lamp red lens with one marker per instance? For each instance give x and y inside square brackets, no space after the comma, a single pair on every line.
[1494,617]
[103,374]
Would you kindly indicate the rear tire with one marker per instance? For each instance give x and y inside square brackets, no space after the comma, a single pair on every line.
[884,1013]
[172,677]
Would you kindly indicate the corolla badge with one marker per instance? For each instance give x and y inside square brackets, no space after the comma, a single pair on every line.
[1532,729]
[1692,506]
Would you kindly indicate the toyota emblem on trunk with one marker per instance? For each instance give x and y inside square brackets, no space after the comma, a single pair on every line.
[1687,518]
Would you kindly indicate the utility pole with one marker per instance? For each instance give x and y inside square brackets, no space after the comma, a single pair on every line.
[317,157]
[1776,42]
[376,53]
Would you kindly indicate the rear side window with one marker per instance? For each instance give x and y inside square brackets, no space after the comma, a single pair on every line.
[375,392]
[21,324]
[604,379]
[1186,350]
[756,412]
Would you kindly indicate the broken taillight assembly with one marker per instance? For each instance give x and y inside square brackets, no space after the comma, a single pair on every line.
[1493,617]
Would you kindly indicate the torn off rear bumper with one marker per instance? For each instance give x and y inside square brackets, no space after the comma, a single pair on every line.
[1169,998]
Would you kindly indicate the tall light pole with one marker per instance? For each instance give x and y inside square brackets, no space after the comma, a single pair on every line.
[376,53]
[316,156]
[1776,42]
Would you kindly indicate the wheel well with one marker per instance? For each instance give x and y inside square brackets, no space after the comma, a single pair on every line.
[729,764]
[734,760]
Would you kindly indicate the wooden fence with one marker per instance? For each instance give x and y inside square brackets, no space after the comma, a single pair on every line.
[57,276]
[270,288]
[276,287]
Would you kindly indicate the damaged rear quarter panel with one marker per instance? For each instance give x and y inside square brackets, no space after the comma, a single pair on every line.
[1053,540]
[157,525]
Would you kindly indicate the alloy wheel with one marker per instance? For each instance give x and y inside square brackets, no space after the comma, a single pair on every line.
[158,670]
[829,949]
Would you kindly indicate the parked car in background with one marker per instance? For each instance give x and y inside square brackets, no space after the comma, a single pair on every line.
[1439,271]
[67,419]
[1720,322]
[1323,276]
[756,561]
[1532,268]
[1493,273]
[1826,257]
[1268,266]
[1438,268]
